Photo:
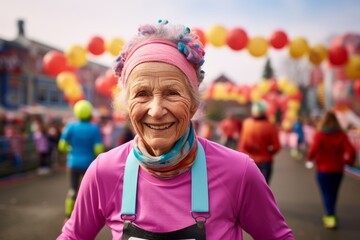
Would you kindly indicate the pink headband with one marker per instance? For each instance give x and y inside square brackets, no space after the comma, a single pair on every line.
[156,50]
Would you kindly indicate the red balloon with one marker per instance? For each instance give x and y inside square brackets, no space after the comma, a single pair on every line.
[201,35]
[282,102]
[96,45]
[211,90]
[338,55]
[236,38]
[229,87]
[111,77]
[356,88]
[54,62]
[273,85]
[278,39]
[103,86]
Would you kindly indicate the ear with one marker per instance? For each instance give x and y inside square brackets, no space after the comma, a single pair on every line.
[193,110]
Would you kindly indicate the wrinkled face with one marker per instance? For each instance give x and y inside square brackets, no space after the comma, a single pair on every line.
[160,105]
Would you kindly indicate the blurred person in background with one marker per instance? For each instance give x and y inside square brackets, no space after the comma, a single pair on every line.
[82,141]
[298,129]
[206,129]
[330,151]
[168,183]
[17,143]
[229,130]
[127,134]
[54,137]
[260,139]
[42,145]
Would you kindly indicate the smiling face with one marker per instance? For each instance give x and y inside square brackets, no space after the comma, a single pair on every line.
[160,105]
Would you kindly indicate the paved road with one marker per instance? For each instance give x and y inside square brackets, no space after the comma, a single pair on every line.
[31,206]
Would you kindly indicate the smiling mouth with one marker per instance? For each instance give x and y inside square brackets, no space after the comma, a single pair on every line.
[159,127]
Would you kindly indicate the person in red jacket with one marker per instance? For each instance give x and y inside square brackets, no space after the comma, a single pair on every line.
[330,150]
[260,139]
[229,129]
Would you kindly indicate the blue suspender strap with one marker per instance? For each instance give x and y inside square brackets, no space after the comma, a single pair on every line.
[128,206]
[199,185]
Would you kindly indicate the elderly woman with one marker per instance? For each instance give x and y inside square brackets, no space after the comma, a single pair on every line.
[167,183]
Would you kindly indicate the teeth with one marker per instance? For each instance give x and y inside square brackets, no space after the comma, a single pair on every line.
[157,127]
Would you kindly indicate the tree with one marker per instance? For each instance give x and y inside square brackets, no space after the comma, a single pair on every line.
[268,72]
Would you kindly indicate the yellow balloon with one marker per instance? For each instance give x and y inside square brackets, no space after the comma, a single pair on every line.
[114,46]
[74,92]
[286,124]
[291,115]
[233,95]
[293,105]
[257,46]
[264,86]
[290,89]
[255,95]
[352,67]
[219,91]
[216,35]
[282,83]
[65,79]
[241,99]
[298,47]
[317,54]
[76,56]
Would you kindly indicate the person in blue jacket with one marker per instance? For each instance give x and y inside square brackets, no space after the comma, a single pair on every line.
[83,142]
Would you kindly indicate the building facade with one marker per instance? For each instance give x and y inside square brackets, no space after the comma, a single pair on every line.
[24,86]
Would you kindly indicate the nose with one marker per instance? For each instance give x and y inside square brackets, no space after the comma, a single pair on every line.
[156,108]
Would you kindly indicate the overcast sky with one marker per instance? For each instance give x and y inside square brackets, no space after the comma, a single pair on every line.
[65,23]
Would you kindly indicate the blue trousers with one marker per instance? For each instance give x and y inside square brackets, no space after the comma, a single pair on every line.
[329,184]
[266,170]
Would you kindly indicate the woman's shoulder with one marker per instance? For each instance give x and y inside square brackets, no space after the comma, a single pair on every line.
[228,165]
[111,163]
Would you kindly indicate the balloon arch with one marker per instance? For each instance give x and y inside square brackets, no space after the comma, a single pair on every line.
[338,55]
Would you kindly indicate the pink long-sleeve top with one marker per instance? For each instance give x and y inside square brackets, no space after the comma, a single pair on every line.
[239,199]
